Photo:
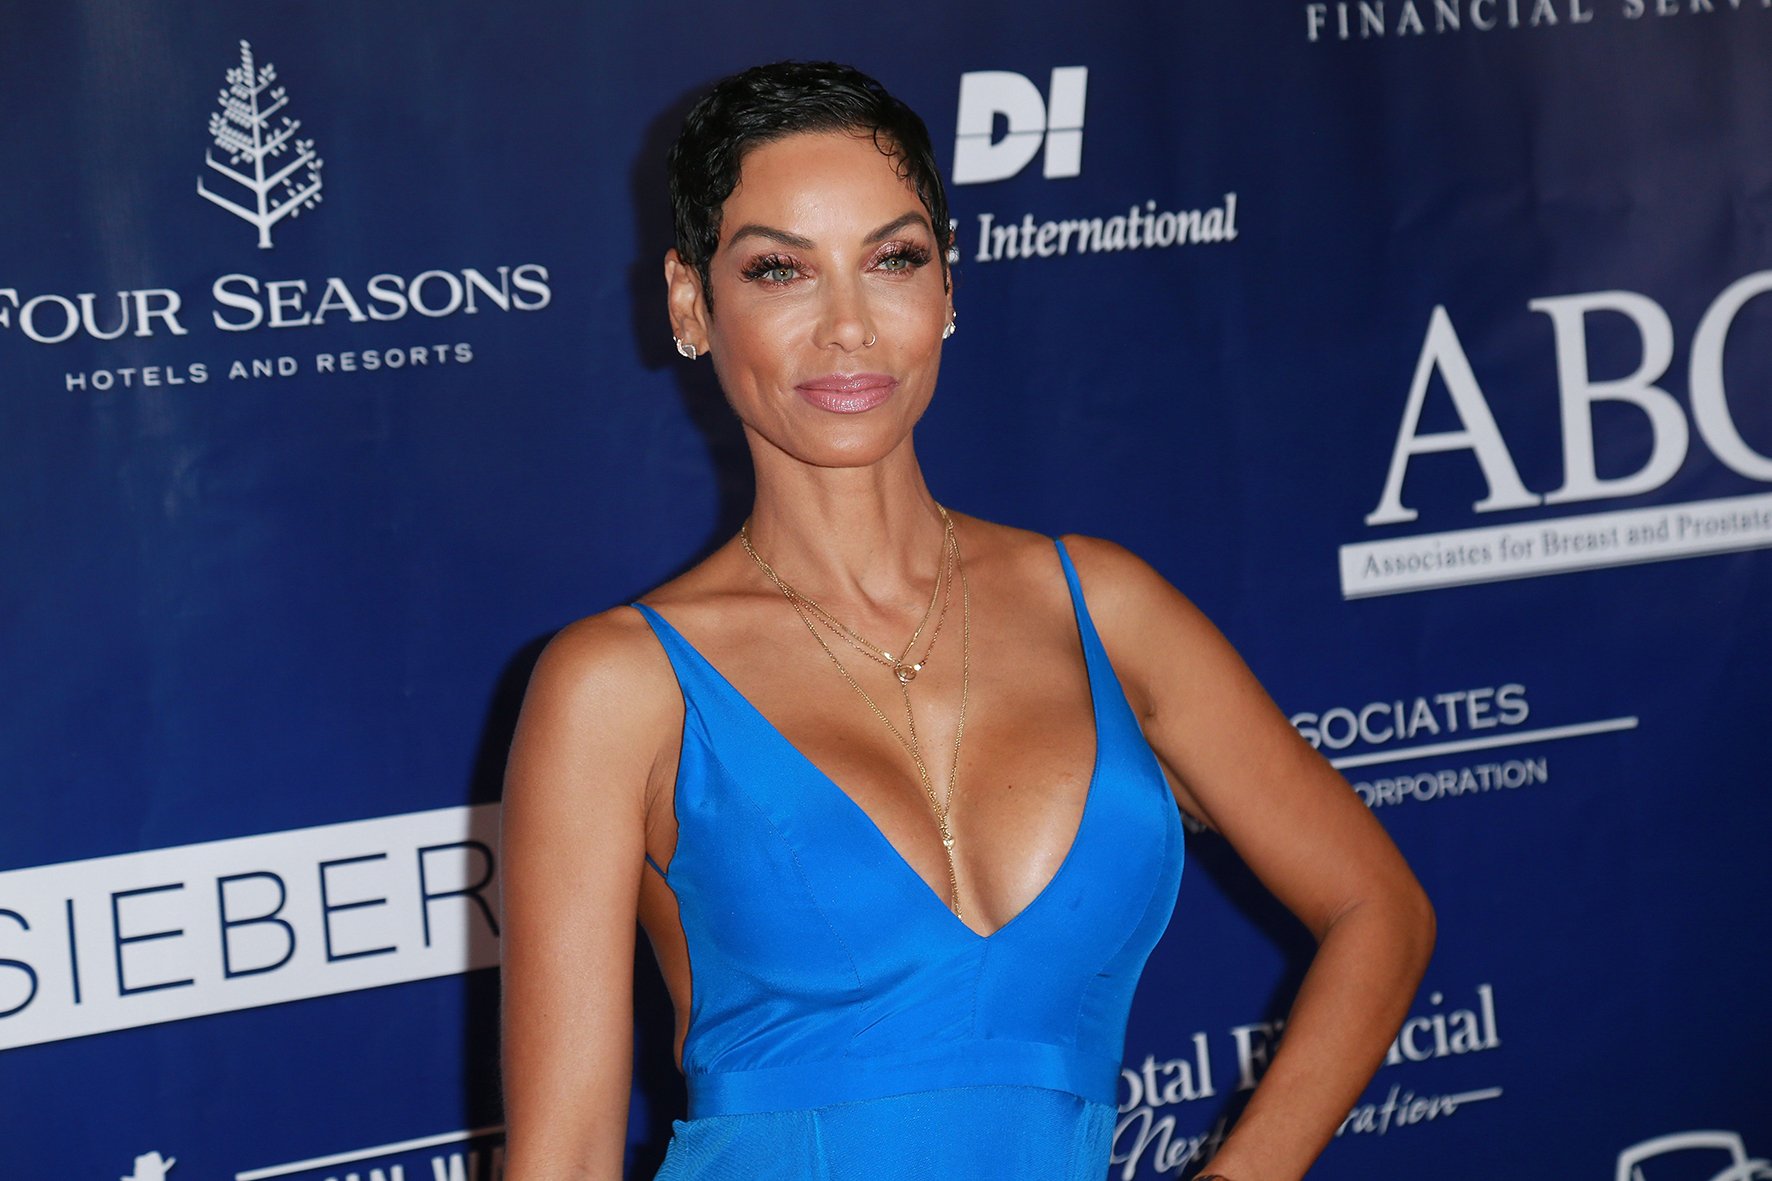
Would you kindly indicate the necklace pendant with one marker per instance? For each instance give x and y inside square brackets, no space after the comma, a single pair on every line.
[906,672]
[949,842]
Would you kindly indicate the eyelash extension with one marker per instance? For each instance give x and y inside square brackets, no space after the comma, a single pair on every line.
[769,262]
[915,256]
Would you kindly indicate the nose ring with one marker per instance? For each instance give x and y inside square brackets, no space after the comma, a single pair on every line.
[870,341]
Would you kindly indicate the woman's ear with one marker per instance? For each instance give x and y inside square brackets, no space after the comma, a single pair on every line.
[684,302]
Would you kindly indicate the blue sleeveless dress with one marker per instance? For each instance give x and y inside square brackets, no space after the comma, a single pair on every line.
[843,1023]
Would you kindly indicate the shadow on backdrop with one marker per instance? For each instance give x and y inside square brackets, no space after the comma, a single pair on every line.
[1263,912]
[661,1093]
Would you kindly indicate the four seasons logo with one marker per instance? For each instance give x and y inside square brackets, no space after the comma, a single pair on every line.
[242,129]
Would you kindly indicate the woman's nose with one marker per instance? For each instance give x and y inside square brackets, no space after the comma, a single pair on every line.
[844,322]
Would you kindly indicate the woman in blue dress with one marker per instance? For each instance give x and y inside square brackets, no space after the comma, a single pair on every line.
[894,791]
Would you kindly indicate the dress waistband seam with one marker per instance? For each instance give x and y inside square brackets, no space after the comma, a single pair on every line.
[796,1086]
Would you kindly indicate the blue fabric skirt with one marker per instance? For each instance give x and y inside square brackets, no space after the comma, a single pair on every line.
[959,1134]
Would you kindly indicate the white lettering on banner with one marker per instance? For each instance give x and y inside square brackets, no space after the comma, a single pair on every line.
[1722,1154]
[1056,121]
[126,376]
[246,303]
[1405,1108]
[1447,782]
[1667,424]
[1465,1031]
[1348,20]
[140,938]
[369,360]
[1442,353]
[1179,1080]
[1529,549]
[416,356]
[1480,718]
[256,171]
[1146,1131]
[1366,20]
[137,309]
[1458,557]
[1490,715]
[485,1163]
[433,294]
[1138,230]
[1379,722]
[1487,742]
[1634,9]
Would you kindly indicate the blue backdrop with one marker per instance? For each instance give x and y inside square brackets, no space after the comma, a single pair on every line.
[1421,343]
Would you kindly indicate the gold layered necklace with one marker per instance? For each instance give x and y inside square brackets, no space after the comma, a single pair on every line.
[903,667]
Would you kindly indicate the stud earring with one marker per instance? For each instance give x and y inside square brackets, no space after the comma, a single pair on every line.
[949,330]
[685,349]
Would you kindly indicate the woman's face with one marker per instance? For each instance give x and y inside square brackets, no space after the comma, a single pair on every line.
[828,300]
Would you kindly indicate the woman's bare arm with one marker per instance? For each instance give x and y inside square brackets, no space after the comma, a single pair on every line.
[1244,770]
[576,786]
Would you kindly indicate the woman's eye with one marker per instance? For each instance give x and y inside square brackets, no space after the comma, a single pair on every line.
[900,261]
[774,271]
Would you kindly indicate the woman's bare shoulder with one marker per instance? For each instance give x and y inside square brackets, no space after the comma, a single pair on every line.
[618,645]
[589,656]
[602,706]
[1150,628]
[1115,579]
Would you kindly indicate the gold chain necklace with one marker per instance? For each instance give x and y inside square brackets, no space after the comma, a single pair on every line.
[902,665]
[940,806]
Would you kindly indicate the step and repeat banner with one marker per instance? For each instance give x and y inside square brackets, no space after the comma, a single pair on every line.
[1426,344]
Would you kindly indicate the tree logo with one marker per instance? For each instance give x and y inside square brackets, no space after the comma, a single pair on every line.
[151,1166]
[242,129]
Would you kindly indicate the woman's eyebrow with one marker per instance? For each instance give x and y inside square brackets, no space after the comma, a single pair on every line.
[896,224]
[798,243]
[773,234]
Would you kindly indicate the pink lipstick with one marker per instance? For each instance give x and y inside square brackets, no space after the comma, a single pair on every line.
[848,393]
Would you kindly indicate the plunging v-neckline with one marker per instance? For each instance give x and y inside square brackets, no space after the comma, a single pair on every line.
[922,887]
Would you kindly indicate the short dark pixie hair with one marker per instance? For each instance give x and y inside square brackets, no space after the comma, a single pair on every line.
[767,103]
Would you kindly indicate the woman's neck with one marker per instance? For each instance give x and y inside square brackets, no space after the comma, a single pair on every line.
[869,537]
